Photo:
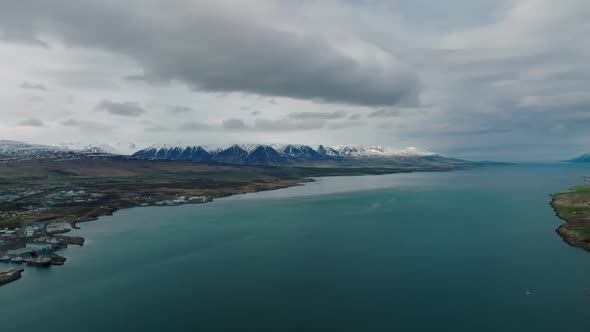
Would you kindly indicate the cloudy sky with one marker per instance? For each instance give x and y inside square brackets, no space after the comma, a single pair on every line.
[479,79]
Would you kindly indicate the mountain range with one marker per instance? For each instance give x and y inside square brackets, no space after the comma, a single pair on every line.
[247,154]
[304,155]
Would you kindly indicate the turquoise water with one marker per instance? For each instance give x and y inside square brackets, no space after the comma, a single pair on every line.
[461,251]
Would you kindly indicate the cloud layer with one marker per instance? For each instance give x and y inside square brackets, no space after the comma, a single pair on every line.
[222,46]
[479,79]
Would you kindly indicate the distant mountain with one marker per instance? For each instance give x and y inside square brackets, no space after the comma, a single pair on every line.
[120,148]
[301,155]
[97,148]
[585,158]
[15,151]
[299,151]
[247,154]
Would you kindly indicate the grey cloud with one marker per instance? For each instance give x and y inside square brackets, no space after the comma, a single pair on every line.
[135,78]
[32,123]
[346,124]
[122,109]
[385,113]
[255,113]
[193,126]
[36,99]
[86,125]
[157,129]
[317,115]
[70,123]
[354,117]
[288,125]
[234,124]
[33,86]
[175,109]
[206,48]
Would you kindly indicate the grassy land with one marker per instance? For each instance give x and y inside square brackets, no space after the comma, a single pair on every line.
[574,208]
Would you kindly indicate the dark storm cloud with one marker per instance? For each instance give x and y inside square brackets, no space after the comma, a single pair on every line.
[33,86]
[32,123]
[122,109]
[202,44]
[317,115]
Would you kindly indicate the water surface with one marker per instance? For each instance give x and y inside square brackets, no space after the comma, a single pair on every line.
[460,251]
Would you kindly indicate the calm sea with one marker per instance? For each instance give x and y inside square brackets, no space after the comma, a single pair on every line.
[461,251]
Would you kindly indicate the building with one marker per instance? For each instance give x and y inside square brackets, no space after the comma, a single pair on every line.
[38,246]
[20,251]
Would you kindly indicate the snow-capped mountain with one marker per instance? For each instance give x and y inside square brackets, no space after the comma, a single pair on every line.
[7,146]
[379,151]
[15,150]
[96,148]
[298,151]
[241,154]
[294,154]
[120,148]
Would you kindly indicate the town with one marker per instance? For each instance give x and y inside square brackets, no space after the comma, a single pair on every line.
[35,244]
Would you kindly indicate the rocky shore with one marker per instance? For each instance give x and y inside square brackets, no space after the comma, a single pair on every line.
[574,208]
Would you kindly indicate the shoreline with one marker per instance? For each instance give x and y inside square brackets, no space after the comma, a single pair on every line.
[209,200]
[112,203]
[66,240]
[575,230]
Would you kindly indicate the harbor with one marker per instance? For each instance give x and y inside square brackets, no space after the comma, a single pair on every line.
[34,245]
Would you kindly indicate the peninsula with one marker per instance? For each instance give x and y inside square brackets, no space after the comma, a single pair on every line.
[574,207]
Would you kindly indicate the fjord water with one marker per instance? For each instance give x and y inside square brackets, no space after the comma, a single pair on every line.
[459,251]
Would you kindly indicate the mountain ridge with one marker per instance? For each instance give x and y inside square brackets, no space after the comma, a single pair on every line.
[298,154]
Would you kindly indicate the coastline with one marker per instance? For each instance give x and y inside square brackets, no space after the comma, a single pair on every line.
[65,240]
[575,231]
[115,195]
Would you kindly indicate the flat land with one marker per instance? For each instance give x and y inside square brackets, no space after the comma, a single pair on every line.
[574,207]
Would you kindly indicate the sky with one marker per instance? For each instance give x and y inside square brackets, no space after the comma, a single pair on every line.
[476,79]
